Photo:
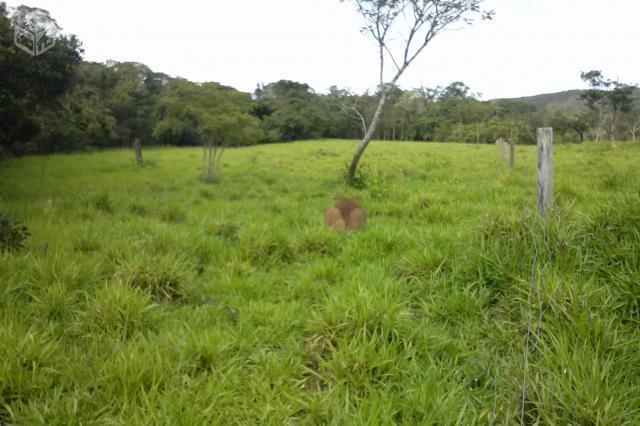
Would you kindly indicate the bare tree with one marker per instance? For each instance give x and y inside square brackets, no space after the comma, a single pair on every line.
[211,159]
[609,99]
[635,128]
[414,23]
[352,111]
[632,119]
[349,102]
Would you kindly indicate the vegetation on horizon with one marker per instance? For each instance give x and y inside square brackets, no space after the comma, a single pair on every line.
[60,103]
[402,29]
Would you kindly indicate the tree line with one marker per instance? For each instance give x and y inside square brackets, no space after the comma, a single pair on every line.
[58,102]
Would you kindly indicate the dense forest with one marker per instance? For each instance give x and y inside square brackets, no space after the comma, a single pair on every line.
[59,102]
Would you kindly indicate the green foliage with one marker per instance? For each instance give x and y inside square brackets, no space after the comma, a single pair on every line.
[65,104]
[375,180]
[361,177]
[59,103]
[571,126]
[163,281]
[289,111]
[209,114]
[189,113]
[102,202]
[173,213]
[30,89]
[228,230]
[12,234]
[607,100]
[119,310]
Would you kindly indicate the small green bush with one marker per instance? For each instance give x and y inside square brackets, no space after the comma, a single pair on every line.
[102,202]
[173,214]
[161,281]
[120,310]
[227,230]
[360,179]
[139,209]
[268,249]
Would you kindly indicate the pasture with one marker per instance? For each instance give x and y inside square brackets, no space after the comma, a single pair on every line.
[145,296]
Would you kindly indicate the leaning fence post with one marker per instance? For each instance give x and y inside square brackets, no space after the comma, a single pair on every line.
[545,169]
[137,147]
[512,154]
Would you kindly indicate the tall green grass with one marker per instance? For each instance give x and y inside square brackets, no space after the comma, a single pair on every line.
[144,296]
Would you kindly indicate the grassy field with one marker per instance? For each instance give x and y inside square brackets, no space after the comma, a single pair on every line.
[144,296]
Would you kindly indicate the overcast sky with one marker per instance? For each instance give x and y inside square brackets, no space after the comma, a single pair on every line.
[531,47]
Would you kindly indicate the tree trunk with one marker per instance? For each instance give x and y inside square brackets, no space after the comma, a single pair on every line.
[367,137]
[209,161]
[137,146]
[205,161]
[612,126]
[612,135]
[512,154]
[212,159]
[545,169]
[217,163]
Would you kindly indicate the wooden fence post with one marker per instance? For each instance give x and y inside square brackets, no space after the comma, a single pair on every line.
[512,154]
[503,148]
[137,146]
[545,169]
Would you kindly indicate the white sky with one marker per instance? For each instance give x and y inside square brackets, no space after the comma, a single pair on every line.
[531,47]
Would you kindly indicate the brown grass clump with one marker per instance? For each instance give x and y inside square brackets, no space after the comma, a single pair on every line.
[346,213]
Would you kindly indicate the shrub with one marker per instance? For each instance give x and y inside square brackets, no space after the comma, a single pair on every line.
[138,209]
[360,178]
[120,310]
[103,203]
[173,214]
[86,245]
[227,230]
[12,234]
[267,249]
[162,282]
[163,286]
[379,185]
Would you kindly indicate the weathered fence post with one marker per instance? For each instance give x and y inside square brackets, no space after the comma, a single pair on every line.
[545,169]
[503,149]
[512,154]
[137,146]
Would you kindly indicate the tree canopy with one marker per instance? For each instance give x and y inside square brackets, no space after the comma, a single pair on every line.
[188,113]
[58,102]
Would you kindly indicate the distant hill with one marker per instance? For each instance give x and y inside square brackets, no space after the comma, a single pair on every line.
[566,99]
